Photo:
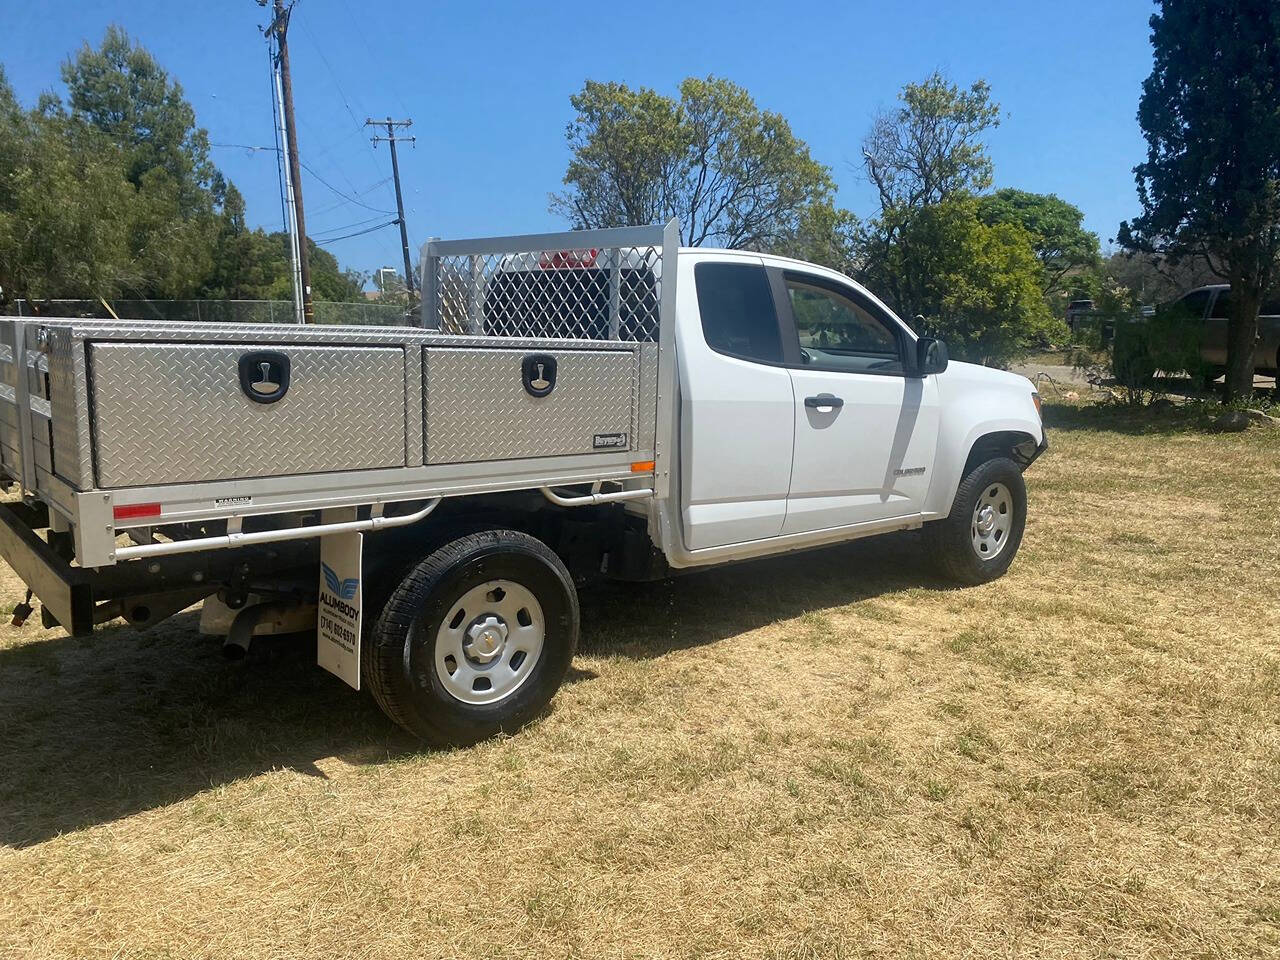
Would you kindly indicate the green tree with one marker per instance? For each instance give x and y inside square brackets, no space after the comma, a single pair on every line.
[975,285]
[1058,237]
[247,264]
[63,194]
[825,234]
[328,280]
[734,174]
[1153,279]
[920,153]
[931,145]
[120,89]
[115,195]
[928,252]
[1210,186]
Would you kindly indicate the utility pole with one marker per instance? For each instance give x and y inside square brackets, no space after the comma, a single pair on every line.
[279,29]
[290,218]
[391,138]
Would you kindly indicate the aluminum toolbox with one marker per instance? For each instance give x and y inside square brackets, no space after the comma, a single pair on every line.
[542,365]
[176,413]
[477,407]
[165,403]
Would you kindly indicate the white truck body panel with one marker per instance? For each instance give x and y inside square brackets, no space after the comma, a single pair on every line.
[736,427]
[867,460]
[974,402]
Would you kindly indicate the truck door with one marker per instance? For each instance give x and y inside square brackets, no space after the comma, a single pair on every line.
[865,433]
[736,407]
[1214,347]
[1266,345]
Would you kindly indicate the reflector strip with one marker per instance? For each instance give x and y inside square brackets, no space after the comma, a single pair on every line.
[642,466]
[134,510]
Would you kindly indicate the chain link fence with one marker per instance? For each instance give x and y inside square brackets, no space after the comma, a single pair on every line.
[214,311]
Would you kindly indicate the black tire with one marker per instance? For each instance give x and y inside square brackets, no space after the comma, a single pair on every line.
[950,541]
[400,664]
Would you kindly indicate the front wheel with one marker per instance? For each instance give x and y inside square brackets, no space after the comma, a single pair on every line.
[978,540]
[475,640]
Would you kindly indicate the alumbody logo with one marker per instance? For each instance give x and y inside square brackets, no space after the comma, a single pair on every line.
[343,589]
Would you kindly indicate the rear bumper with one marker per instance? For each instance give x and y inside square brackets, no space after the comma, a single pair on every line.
[65,591]
[141,591]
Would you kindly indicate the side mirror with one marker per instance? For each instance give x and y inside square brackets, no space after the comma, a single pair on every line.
[931,356]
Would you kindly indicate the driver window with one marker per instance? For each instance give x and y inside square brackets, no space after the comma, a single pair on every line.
[838,334]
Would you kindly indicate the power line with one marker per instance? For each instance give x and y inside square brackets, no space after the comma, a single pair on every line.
[358,28]
[342,95]
[344,202]
[347,226]
[332,74]
[344,196]
[346,103]
[245,146]
[358,233]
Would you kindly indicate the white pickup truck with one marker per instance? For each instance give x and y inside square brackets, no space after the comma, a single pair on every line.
[595,403]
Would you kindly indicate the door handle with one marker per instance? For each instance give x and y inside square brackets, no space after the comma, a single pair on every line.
[823,400]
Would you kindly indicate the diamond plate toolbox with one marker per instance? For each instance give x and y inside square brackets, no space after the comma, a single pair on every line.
[177,412]
[477,407]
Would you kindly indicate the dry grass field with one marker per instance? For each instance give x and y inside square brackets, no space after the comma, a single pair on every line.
[826,755]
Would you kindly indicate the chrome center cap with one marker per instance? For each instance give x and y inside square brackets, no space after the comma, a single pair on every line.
[986,521]
[485,639]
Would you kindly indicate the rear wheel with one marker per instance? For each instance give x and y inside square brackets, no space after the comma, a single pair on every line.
[475,640]
[978,540]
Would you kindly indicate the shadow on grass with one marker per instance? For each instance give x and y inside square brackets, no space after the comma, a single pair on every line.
[1158,420]
[642,620]
[99,728]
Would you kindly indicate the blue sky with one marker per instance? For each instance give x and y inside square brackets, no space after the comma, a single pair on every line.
[488,85]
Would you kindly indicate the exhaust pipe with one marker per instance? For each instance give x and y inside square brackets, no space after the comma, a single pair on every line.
[247,620]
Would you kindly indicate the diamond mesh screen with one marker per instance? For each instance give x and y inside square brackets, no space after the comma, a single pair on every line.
[593,294]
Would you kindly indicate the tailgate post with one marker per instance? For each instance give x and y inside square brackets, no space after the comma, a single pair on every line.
[665,427]
[22,393]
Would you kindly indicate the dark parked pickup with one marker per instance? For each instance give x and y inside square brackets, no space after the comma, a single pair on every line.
[1212,304]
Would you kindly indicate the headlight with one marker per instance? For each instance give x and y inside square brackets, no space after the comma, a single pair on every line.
[1035,398]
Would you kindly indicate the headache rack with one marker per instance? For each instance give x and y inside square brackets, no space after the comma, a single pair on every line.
[544,362]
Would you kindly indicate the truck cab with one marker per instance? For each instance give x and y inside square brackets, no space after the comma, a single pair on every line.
[808,413]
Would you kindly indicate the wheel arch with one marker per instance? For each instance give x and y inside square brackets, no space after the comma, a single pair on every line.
[1014,439]
[1018,445]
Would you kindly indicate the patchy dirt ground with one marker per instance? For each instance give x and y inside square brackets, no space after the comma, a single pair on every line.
[825,755]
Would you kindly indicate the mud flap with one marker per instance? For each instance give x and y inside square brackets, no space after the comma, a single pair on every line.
[341,613]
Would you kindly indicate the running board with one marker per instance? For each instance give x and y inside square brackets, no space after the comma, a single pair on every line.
[237,539]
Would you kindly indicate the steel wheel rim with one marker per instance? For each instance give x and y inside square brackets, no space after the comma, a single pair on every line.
[489,642]
[992,521]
